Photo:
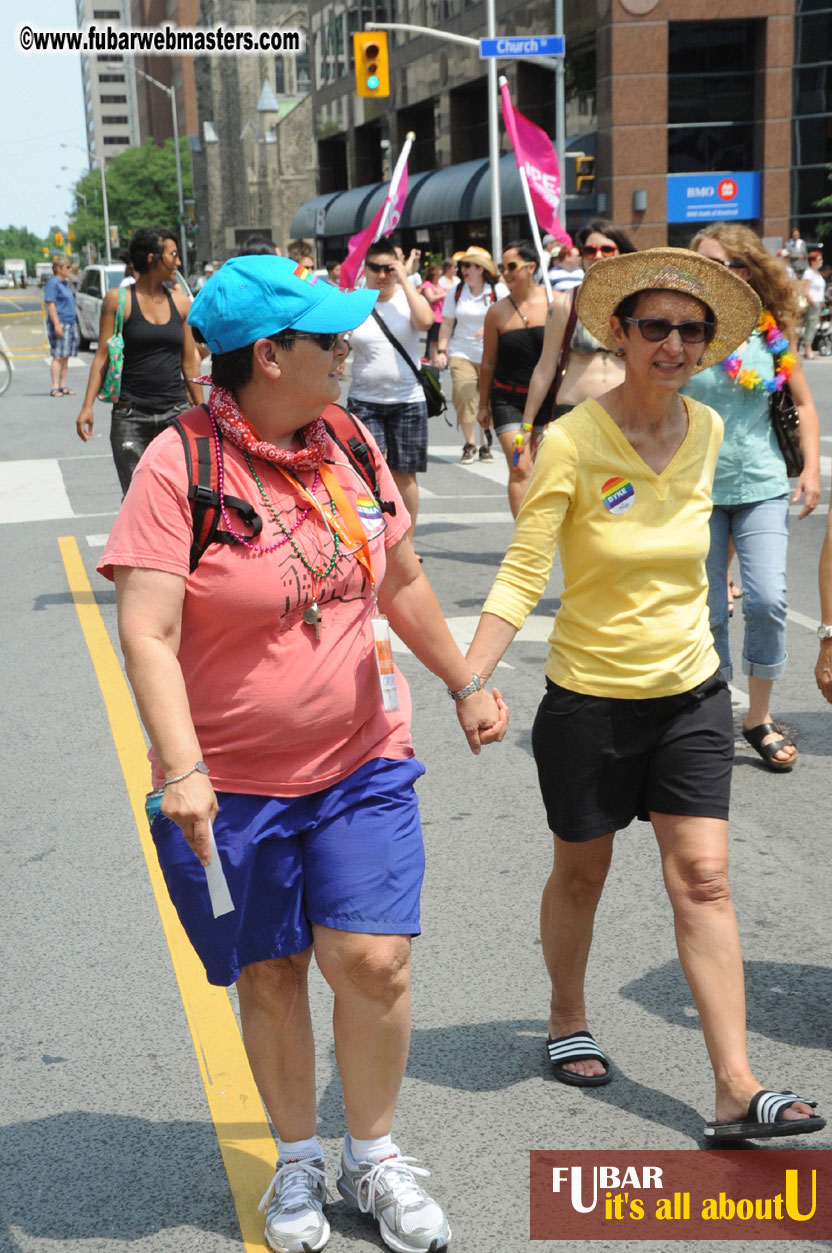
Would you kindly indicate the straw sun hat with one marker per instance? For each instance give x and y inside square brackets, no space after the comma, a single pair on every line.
[735,305]
[479,256]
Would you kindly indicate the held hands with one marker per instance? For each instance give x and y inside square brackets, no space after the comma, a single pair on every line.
[483,717]
[192,804]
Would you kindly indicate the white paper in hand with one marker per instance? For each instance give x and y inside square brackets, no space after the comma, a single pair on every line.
[221,901]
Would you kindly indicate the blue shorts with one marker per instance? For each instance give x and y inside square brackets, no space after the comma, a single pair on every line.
[350,857]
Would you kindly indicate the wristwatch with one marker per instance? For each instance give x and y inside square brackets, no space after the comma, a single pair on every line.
[474,686]
[824,631]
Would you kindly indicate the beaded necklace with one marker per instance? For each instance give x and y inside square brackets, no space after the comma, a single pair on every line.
[288,532]
[784,360]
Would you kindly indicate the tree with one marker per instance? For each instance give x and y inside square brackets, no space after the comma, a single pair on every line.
[141,191]
[17,241]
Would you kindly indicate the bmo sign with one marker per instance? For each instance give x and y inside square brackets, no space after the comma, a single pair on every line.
[712,197]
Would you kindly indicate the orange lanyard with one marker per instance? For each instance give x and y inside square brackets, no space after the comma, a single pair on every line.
[348,525]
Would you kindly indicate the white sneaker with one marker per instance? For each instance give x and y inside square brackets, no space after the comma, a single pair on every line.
[293,1204]
[410,1221]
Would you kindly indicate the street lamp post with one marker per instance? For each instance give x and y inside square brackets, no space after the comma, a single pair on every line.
[183,238]
[103,202]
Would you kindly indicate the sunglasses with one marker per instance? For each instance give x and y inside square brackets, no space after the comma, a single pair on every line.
[654,330]
[729,265]
[599,250]
[375,268]
[326,342]
[512,266]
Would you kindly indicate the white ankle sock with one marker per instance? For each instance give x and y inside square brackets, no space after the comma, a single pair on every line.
[370,1150]
[294,1150]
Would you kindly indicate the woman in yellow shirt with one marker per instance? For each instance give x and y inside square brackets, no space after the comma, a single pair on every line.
[636,720]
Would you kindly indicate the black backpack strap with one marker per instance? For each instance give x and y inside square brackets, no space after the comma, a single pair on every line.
[203,489]
[357,451]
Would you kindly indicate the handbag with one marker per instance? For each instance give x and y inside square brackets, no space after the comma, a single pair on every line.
[427,376]
[786,422]
[111,387]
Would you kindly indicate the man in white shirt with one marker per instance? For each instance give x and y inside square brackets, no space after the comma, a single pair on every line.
[385,393]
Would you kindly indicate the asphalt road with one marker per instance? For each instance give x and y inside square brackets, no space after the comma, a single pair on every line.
[106,1135]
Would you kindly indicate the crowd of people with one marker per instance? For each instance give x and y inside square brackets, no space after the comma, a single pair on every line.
[633,411]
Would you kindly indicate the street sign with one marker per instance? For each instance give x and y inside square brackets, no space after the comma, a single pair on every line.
[523,46]
[713,197]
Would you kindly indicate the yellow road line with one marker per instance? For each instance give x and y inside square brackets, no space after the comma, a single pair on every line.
[24,313]
[245,1140]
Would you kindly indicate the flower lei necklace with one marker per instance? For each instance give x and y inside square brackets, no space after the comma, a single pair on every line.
[779,347]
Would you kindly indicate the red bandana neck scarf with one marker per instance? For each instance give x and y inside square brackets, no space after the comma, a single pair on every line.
[236,427]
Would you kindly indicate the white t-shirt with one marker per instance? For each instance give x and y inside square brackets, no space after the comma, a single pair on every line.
[469,312]
[817,286]
[380,375]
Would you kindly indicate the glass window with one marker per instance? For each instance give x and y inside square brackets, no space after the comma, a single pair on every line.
[279,76]
[814,38]
[303,82]
[812,185]
[709,148]
[813,141]
[811,89]
[710,47]
[713,98]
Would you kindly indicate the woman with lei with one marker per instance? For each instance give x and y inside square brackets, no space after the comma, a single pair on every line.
[751,489]
[280,728]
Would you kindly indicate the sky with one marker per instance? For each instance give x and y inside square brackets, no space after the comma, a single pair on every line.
[41,106]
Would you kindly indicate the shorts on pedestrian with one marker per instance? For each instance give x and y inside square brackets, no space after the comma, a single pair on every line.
[465,375]
[401,432]
[602,762]
[65,344]
[350,857]
[507,409]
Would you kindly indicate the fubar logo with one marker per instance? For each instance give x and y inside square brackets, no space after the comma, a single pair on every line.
[680,1195]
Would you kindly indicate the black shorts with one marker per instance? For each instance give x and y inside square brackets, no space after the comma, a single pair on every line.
[602,762]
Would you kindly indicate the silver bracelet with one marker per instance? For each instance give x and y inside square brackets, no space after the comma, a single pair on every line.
[474,686]
[200,767]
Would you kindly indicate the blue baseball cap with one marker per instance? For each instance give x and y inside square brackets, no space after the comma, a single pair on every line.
[251,297]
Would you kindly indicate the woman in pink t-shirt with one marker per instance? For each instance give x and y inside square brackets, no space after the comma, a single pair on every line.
[280,728]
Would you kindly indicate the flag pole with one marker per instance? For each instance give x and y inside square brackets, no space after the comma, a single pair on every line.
[524,183]
[394,185]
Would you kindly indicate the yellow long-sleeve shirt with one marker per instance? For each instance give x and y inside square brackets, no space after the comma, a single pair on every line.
[633,620]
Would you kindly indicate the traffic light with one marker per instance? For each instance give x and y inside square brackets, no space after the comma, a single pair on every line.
[59,239]
[372,70]
[584,175]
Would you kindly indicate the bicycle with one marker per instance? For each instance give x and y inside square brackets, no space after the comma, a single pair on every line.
[5,372]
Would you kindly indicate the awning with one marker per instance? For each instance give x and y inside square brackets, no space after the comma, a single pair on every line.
[457,193]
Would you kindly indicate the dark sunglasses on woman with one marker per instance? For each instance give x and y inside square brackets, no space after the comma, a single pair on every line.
[598,250]
[326,342]
[654,330]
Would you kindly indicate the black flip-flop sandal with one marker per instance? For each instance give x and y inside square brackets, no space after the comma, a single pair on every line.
[577,1047]
[765,1120]
[755,737]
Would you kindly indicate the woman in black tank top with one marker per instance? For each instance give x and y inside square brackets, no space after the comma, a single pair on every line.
[512,341]
[160,356]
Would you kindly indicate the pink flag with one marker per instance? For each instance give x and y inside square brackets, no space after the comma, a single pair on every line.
[386,220]
[534,152]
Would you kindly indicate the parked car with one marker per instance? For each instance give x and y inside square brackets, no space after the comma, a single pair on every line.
[96,281]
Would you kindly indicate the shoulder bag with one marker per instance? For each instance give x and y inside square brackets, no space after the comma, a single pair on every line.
[428,380]
[786,422]
[111,387]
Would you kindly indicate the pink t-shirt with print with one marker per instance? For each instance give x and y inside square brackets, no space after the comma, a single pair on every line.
[277,711]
